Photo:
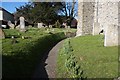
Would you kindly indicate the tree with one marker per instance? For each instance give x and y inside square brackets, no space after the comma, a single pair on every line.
[69,10]
[49,11]
[24,11]
[46,12]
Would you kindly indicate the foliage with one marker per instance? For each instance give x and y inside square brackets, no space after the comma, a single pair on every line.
[47,12]
[69,10]
[25,11]
[73,68]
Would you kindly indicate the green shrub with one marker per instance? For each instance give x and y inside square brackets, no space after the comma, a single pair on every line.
[21,59]
[71,64]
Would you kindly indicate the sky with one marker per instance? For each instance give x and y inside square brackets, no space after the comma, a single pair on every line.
[11,6]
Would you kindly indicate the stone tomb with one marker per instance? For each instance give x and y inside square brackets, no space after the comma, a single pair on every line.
[12,26]
[22,24]
[112,35]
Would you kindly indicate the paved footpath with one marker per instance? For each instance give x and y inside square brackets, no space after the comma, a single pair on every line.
[47,67]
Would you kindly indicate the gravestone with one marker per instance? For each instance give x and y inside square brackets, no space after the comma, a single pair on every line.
[2,34]
[12,26]
[40,25]
[22,24]
[50,26]
[112,35]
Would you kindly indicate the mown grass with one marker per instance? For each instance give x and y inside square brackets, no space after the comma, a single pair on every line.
[95,60]
[20,59]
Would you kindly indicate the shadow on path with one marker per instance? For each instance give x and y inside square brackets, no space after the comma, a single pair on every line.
[46,67]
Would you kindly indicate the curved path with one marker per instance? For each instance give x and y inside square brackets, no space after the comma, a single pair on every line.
[47,66]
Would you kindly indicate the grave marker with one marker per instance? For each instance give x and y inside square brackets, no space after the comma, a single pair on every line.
[40,25]
[22,24]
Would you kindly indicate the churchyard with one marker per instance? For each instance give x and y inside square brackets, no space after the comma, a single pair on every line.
[22,51]
[90,51]
[80,57]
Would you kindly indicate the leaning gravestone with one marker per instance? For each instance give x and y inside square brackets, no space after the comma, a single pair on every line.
[22,24]
[12,26]
[40,25]
[112,35]
[2,34]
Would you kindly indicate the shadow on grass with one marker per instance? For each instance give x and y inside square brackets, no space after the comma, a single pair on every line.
[24,63]
[40,71]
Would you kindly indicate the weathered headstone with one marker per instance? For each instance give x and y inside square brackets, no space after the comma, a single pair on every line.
[112,35]
[12,26]
[2,34]
[40,25]
[22,24]
[50,26]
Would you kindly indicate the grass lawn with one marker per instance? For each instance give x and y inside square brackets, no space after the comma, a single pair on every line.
[19,60]
[94,59]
